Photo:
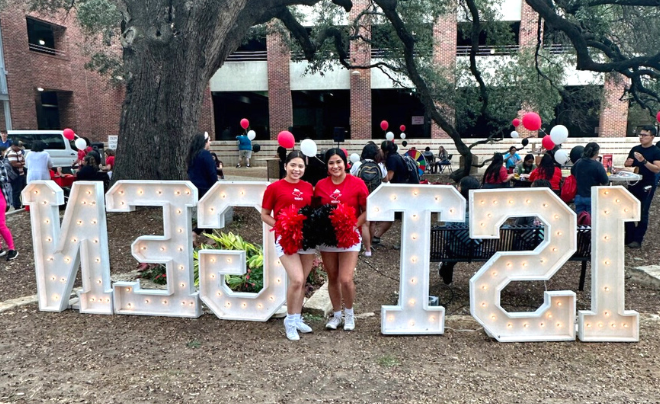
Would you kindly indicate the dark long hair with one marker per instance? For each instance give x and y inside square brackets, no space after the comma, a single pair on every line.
[196,145]
[296,154]
[493,169]
[332,152]
[370,151]
[590,150]
[547,167]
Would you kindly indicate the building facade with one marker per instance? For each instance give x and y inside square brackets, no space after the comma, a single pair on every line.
[44,84]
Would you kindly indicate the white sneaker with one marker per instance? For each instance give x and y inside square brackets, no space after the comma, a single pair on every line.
[349,322]
[334,323]
[302,327]
[291,332]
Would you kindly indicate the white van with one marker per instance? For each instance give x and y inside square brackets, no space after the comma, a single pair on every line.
[62,152]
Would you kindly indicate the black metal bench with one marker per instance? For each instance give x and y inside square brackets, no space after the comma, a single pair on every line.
[453,244]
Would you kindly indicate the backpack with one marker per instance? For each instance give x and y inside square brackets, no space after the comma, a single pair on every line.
[569,189]
[411,165]
[370,173]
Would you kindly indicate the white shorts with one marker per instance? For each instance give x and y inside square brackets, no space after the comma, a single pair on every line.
[245,153]
[280,251]
[355,247]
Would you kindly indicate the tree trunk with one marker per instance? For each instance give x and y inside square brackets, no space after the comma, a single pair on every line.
[171,50]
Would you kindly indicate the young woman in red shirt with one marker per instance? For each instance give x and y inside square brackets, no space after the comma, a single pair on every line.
[547,170]
[287,192]
[340,187]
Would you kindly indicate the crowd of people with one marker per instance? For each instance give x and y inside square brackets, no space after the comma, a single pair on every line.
[19,168]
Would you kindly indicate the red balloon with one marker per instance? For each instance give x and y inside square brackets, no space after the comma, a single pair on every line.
[658,116]
[245,124]
[68,134]
[515,122]
[384,125]
[403,128]
[532,121]
[547,143]
[285,139]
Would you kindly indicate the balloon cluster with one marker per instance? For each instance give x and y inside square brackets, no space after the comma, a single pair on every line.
[558,135]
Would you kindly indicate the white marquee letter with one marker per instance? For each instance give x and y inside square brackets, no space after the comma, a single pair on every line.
[58,253]
[215,264]
[608,320]
[412,314]
[555,319]
[173,248]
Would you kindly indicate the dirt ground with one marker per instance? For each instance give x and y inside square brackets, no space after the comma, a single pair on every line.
[70,357]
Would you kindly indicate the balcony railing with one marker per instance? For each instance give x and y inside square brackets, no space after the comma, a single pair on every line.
[376,53]
[46,50]
[247,56]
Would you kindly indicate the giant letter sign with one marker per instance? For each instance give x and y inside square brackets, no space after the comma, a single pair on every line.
[83,239]
[555,319]
[173,248]
[608,320]
[214,265]
[412,314]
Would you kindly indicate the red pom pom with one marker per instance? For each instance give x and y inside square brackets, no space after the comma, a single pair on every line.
[288,228]
[344,221]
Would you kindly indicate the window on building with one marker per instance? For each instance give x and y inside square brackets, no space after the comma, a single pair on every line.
[495,38]
[554,40]
[48,112]
[316,113]
[44,37]
[230,107]
[399,107]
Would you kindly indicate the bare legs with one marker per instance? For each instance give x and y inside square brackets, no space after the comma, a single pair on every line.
[340,267]
[298,267]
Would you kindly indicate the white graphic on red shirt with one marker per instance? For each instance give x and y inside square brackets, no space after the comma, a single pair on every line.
[335,196]
[297,194]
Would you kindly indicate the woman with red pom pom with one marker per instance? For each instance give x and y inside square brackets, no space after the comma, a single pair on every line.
[348,193]
[281,203]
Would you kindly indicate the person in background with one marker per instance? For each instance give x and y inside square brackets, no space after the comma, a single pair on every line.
[202,171]
[430,159]
[5,197]
[218,166]
[397,173]
[38,163]
[281,155]
[588,172]
[442,154]
[496,175]
[446,270]
[370,153]
[512,159]
[340,187]
[244,150]
[646,157]
[4,142]
[547,170]
[527,166]
[291,191]
[16,157]
[109,162]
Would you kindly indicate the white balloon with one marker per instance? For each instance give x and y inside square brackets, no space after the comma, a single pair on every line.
[252,134]
[80,144]
[389,136]
[559,134]
[561,156]
[515,134]
[403,135]
[308,147]
[355,158]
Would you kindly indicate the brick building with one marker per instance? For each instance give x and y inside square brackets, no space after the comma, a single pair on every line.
[43,80]
[46,85]
[261,82]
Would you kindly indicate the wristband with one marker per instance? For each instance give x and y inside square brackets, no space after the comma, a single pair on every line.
[644,162]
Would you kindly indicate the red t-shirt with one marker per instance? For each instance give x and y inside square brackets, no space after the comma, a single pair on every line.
[554,181]
[498,179]
[282,194]
[110,161]
[352,192]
